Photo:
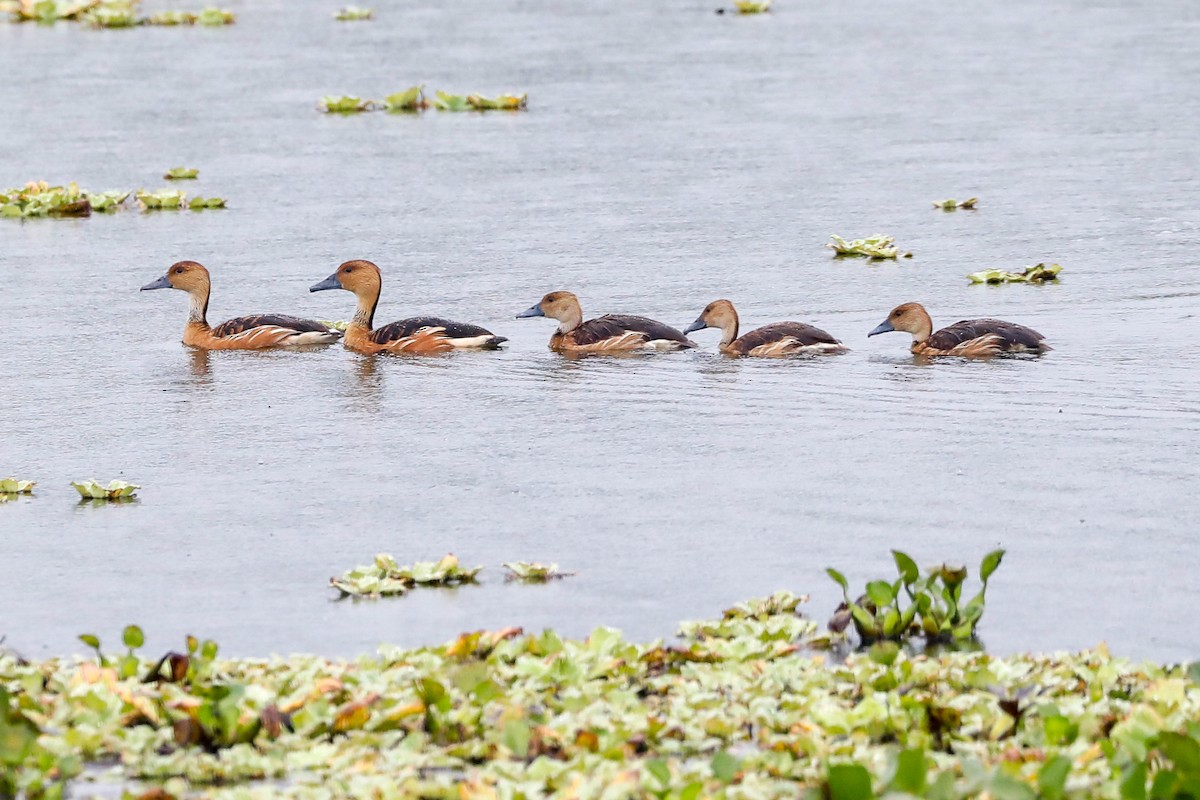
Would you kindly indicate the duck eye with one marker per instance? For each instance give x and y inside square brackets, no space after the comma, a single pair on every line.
[349,270]
[179,270]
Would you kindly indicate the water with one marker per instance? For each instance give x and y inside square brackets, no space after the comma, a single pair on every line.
[670,157]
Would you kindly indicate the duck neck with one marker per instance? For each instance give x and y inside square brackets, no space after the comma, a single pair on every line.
[364,315]
[923,330]
[729,329]
[198,310]
[570,318]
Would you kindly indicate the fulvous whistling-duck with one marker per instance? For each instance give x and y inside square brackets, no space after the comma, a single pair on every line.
[970,338]
[255,332]
[610,333]
[414,335]
[776,339]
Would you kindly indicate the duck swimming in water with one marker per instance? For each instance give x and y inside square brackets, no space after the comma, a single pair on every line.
[256,332]
[776,339]
[612,333]
[416,335]
[969,338]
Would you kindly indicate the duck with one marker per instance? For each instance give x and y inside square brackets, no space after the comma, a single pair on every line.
[612,333]
[776,339]
[969,338]
[255,332]
[415,335]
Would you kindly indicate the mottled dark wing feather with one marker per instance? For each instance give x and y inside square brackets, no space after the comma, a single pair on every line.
[610,325]
[407,327]
[806,335]
[965,330]
[232,327]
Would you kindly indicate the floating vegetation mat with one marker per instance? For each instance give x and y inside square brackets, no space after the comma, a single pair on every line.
[414,99]
[737,707]
[1039,273]
[954,205]
[39,199]
[876,247]
[107,13]
[115,490]
[385,577]
[353,14]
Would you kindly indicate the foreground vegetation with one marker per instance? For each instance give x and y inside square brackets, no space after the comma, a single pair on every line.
[741,706]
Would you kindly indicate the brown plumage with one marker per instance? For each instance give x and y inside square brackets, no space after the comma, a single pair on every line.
[415,335]
[969,338]
[610,333]
[776,339]
[256,332]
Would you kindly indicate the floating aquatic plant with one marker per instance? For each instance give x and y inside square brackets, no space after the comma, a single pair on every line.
[738,707]
[108,13]
[15,486]
[752,6]
[873,247]
[443,101]
[1039,273]
[353,13]
[197,203]
[93,490]
[345,104]
[336,324]
[411,99]
[385,577]
[169,199]
[929,605]
[533,571]
[215,17]
[40,199]
[953,205]
[181,174]
[107,201]
[112,14]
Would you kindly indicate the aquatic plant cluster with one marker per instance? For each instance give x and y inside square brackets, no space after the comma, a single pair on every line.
[40,199]
[108,13]
[741,706]
[1038,273]
[415,99]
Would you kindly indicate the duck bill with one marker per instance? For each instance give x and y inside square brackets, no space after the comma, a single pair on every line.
[698,325]
[332,282]
[161,283]
[535,311]
[883,327]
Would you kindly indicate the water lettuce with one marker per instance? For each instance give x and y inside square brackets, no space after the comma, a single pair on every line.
[533,571]
[1039,273]
[411,99]
[93,490]
[162,199]
[352,13]
[11,486]
[873,247]
[344,104]
[197,203]
[953,205]
[181,174]
[384,577]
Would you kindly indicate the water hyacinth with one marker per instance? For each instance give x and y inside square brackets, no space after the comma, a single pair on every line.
[738,706]
[954,205]
[411,99]
[533,571]
[108,13]
[14,486]
[94,490]
[345,104]
[1038,273]
[181,174]
[875,247]
[198,203]
[170,199]
[384,577]
[40,199]
[353,13]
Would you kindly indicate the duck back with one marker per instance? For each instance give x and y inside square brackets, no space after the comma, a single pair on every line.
[804,336]
[612,326]
[407,327]
[233,327]
[1008,335]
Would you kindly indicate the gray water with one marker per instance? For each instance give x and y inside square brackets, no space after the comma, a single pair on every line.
[670,156]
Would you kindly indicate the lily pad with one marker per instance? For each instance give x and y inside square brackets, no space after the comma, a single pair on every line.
[353,13]
[181,174]
[385,577]
[876,247]
[533,571]
[15,486]
[93,490]
[1039,273]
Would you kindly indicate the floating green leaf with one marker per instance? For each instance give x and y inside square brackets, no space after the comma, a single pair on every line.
[533,571]
[197,203]
[411,99]
[384,577]
[352,13]
[954,205]
[752,6]
[345,104]
[115,489]
[181,174]
[1039,273]
[876,247]
[14,486]
[163,199]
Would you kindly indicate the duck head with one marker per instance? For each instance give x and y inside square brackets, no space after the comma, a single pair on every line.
[909,318]
[717,314]
[187,276]
[358,276]
[562,306]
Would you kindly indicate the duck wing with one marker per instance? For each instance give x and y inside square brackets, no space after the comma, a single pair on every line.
[1009,335]
[804,334]
[407,327]
[611,326]
[232,327]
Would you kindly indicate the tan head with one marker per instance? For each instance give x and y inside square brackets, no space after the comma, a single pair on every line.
[187,276]
[910,318]
[562,306]
[717,314]
[358,276]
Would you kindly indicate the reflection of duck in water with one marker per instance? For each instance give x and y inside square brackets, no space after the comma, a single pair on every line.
[611,333]
[255,332]
[415,335]
[776,339]
[970,338]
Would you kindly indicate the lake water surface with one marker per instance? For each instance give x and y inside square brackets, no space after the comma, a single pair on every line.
[670,156]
